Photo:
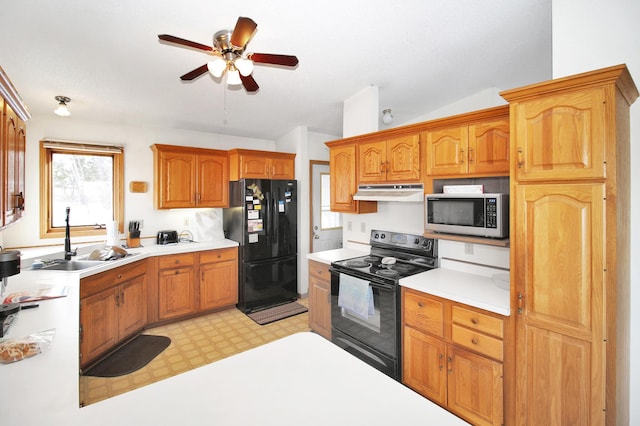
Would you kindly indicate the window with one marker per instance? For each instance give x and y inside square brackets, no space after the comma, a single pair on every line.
[328,219]
[86,178]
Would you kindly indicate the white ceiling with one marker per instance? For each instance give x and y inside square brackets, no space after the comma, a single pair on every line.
[422,54]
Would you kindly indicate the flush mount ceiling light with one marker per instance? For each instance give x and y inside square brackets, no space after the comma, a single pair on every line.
[387,118]
[62,109]
[229,52]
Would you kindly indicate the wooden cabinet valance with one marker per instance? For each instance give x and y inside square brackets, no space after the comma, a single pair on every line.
[253,164]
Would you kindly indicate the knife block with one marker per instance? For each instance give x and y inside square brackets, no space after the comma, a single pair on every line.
[133,239]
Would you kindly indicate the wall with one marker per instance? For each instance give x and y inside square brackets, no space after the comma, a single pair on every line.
[307,146]
[138,167]
[597,35]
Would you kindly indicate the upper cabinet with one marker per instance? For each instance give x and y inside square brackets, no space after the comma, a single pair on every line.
[477,144]
[252,164]
[190,177]
[343,172]
[13,137]
[393,160]
[559,137]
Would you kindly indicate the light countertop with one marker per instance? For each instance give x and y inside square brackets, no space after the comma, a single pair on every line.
[299,379]
[329,256]
[484,288]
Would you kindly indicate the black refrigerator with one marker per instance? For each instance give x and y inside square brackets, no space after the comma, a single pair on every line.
[262,218]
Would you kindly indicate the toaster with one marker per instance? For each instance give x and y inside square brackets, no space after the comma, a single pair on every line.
[167,237]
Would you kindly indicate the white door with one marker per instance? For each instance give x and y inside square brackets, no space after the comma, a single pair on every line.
[326,226]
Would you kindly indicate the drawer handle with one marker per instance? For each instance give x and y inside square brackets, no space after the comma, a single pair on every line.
[474,320]
[475,341]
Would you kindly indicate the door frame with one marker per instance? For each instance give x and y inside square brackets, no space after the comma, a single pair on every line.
[311,164]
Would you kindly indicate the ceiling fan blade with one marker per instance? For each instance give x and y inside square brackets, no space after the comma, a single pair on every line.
[183,42]
[249,83]
[242,33]
[268,58]
[195,73]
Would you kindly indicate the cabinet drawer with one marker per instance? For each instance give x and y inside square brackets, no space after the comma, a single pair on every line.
[219,255]
[176,260]
[319,270]
[487,345]
[95,283]
[478,321]
[423,313]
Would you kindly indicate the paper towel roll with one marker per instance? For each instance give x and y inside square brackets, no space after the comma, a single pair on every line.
[113,236]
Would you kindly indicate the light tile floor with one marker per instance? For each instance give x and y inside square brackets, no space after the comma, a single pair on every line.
[194,342]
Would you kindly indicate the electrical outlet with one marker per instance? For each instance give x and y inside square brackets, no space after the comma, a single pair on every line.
[468,248]
[185,222]
[349,225]
[363,227]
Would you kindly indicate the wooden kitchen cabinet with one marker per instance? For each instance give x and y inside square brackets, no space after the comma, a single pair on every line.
[113,307]
[13,137]
[320,298]
[473,148]
[393,160]
[190,177]
[253,164]
[343,173]
[453,355]
[570,242]
[176,286]
[218,284]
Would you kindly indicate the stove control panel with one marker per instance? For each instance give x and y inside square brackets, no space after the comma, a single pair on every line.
[404,241]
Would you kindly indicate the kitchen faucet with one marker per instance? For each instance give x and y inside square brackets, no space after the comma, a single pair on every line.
[67,240]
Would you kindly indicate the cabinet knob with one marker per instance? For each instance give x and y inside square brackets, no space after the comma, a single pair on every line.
[119,276]
[475,341]
[177,262]
[176,272]
[420,304]
[474,320]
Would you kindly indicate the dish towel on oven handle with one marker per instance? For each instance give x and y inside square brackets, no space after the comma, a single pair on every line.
[356,296]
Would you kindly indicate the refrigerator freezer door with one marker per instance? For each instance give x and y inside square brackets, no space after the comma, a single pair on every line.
[268,283]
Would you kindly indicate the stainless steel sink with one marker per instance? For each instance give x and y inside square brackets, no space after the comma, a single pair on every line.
[72,265]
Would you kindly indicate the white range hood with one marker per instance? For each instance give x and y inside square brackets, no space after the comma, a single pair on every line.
[390,192]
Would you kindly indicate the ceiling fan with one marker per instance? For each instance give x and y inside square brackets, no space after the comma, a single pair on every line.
[229,55]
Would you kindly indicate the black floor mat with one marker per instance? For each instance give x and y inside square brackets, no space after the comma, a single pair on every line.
[131,357]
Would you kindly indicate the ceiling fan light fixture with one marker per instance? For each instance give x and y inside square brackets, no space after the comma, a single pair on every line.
[233,77]
[217,67]
[245,66]
[387,118]
[62,110]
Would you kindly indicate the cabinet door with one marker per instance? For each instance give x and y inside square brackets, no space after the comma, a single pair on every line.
[254,166]
[488,148]
[176,186]
[132,306]
[372,158]
[282,168]
[218,284]
[559,274]
[176,294]
[343,178]
[14,137]
[561,136]
[213,181]
[475,387]
[99,323]
[320,306]
[403,159]
[424,365]
[446,151]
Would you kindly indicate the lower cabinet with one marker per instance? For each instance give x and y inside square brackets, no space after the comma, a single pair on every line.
[452,354]
[320,298]
[218,278]
[176,285]
[113,307]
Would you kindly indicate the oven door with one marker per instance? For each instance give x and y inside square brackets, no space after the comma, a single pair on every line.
[376,339]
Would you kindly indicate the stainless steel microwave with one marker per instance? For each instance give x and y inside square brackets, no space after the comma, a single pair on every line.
[482,215]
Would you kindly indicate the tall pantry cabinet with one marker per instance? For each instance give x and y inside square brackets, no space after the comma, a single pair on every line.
[570,239]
